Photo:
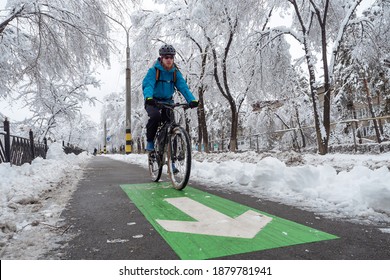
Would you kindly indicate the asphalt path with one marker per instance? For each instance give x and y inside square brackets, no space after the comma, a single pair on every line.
[108,226]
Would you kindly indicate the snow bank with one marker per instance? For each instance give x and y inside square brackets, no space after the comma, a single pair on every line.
[33,196]
[354,187]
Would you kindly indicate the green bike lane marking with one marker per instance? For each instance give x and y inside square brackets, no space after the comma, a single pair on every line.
[199,225]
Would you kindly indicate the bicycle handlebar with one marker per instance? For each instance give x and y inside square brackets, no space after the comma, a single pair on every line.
[172,105]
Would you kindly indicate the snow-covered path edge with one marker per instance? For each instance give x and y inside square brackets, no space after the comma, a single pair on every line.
[32,198]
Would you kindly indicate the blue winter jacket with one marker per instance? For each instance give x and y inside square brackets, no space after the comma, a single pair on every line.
[164,88]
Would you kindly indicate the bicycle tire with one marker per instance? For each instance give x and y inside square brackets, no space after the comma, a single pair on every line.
[155,169]
[179,154]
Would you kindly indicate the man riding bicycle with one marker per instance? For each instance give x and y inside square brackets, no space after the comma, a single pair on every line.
[159,85]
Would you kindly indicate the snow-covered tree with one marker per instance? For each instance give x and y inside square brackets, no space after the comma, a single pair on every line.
[361,72]
[41,40]
[48,52]
[316,26]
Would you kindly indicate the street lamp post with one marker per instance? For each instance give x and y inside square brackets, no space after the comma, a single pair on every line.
[105,137]
[129,140]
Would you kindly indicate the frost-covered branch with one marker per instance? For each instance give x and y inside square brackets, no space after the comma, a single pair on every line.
[275,32]
[337,42]
[11,17]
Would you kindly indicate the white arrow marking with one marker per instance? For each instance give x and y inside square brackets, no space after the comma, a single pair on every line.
[212,222]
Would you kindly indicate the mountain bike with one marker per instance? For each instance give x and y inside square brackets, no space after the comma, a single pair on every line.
[172,147]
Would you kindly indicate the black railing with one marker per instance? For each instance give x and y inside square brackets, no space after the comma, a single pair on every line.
[18,150]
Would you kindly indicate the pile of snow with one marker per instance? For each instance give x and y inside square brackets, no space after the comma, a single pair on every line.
[357,194]
[353,187]
[32,197]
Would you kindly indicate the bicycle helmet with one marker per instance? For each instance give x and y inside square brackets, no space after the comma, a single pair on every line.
[167,50]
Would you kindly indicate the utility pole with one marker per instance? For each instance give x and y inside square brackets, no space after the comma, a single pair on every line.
[105,137]
[129,140]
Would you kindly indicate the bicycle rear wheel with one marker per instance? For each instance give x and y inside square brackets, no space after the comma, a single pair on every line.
[179,158]
[155,169]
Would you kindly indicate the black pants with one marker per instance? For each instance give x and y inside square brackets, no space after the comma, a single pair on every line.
[156,116]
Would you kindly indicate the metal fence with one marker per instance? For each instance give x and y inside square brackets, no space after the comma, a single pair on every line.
[357,138]
[18,150]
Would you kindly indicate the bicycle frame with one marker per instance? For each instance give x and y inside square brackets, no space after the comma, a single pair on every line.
[169,125]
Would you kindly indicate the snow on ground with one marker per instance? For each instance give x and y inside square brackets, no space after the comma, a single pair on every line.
[352,187]
[32,198]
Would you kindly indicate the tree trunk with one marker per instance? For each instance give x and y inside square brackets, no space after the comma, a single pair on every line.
[322,145]
[224,88]
[322,142]
[222,138]
[369,100]
[234,129]
[380,114]
[203,137]
[300,128]
[201,110]
[327,92]
[199,132]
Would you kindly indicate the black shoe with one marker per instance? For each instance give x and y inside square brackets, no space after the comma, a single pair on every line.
[174,169]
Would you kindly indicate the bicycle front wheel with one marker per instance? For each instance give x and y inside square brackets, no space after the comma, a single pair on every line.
[179,158]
